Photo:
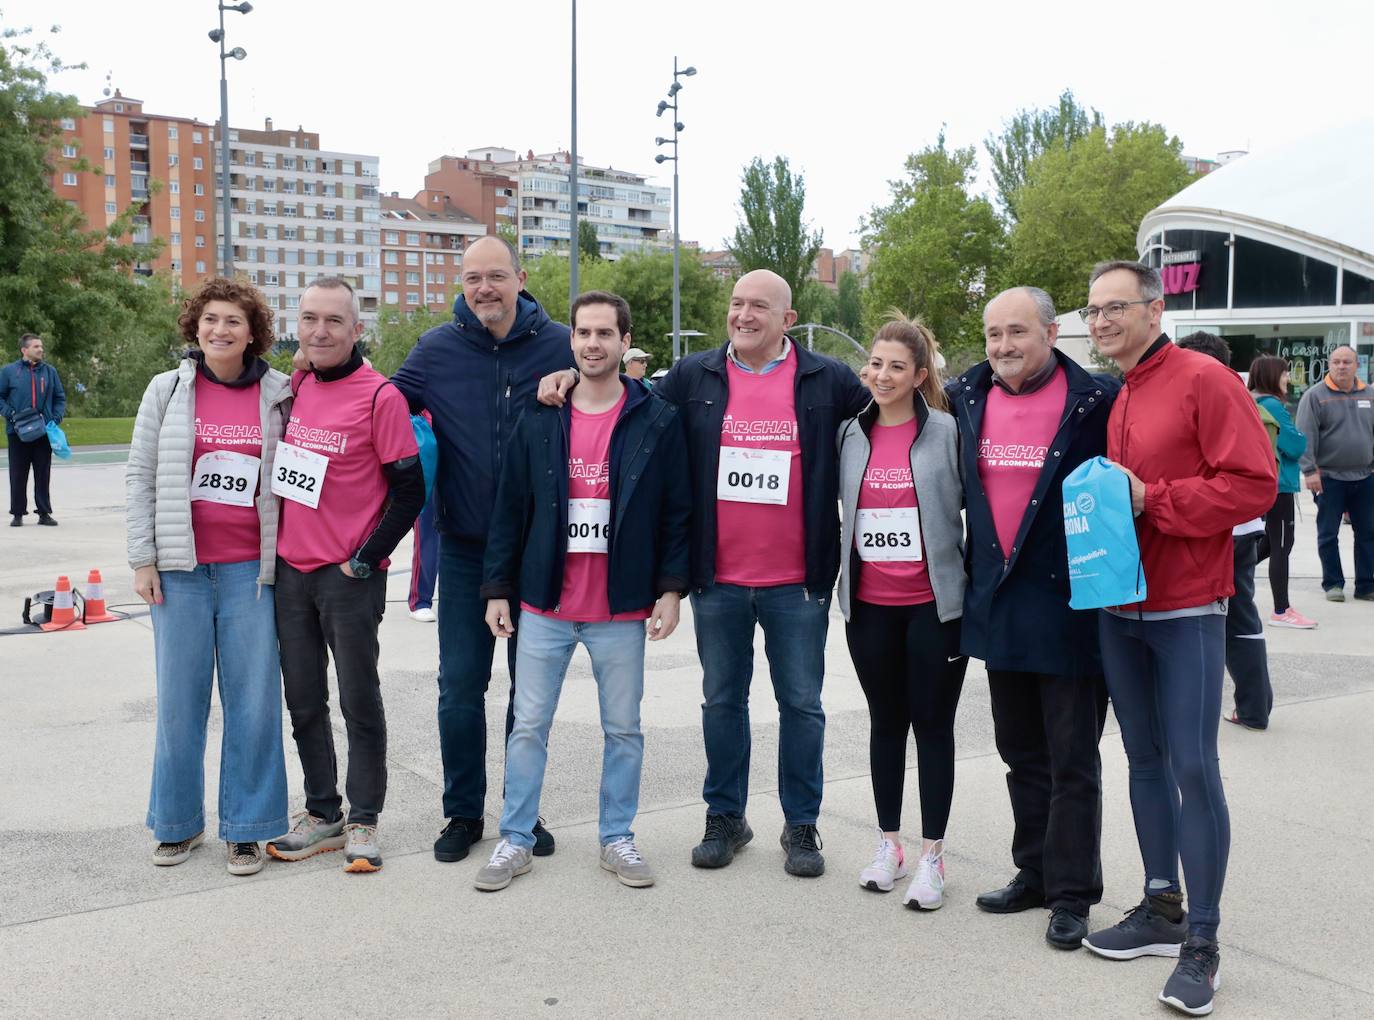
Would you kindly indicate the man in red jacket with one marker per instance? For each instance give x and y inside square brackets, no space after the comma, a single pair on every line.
[1186,433]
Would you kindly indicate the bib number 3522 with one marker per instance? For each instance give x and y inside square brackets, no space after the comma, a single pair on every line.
[753,476]
[889,536]
[298,475]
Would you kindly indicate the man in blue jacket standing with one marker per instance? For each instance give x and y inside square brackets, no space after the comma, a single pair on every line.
[30,389]
[475,375]
[1027,417]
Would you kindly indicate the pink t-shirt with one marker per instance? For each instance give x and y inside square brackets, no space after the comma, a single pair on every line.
[760,544]
[1017,432]
[888,485]
[227,419]
[586,575]
[337,421]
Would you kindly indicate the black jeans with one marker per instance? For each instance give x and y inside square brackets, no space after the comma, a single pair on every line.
[1047,729]
[1275,546]
[912,674]
[1247,657]
[328,609]
[22,456]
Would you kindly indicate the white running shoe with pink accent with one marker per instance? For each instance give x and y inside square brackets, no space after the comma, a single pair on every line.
[889,864]
[1290,617]
[927,888]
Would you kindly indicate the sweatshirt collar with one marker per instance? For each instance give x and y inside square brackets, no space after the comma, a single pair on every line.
[343,371]
[253,370]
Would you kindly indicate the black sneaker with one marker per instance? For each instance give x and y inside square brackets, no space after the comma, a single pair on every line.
[543,840]
[1198,974]
[1144,931]
[457,838]
[724,835]
[47,521]
[803,846]
[16,520]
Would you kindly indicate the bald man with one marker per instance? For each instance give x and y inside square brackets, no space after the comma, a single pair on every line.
[474,375]
[1337,416]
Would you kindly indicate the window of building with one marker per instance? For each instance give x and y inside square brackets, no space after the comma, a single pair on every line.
[293,257]
[171,131]
[288,233]
[200,215]
[288,210]
[269,161]
[197,137]
[269,279]
[391,297]
[200,240]
[176,265]
[69,151]
[200,189]
[412,298]
[269,183]
[109,125]
[175,238]
[392,278]
[392,237]
[173,159]
[288,162]
[69,179]
[200,266]
[109,180]
[293,301]
[412,238]
[197,163]
[369,259]
[331,258]
[412,278]
[174,187]
[271,233]
[329,213]
[391,258]
[111,209]
[68,124]
[175,212]
[350,258]
[250,159]
[412,258]
[312,258]
[109,153]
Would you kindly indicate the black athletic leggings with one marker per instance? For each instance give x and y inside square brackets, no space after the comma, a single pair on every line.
[1276,544]
[912,673]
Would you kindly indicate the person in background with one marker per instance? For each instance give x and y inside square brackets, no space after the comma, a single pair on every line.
[636,363]
[26,386]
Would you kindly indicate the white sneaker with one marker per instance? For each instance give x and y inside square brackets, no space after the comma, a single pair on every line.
[424,614]
[508,860]
[927,888]
[623,859]
[889,864]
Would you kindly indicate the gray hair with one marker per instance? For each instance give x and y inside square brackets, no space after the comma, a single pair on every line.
[1044,305]
[337,283]
[1151,286]
[26,339]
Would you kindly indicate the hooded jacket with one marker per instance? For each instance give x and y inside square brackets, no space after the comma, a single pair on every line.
[1186,426]
[474,387]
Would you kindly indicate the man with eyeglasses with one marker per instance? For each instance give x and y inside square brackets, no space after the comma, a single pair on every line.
[1186,433]
[474,375]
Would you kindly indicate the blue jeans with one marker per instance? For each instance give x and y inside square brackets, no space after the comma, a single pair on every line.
[1165,678]
[546,647]
[213,619]
[465,649]
[794,628]
[1337,497]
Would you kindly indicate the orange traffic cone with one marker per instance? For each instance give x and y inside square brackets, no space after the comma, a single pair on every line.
[63,608]
[95,600]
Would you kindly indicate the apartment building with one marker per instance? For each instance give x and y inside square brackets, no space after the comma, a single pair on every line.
[423,240]
[300,212]
[158,163]
[473,184]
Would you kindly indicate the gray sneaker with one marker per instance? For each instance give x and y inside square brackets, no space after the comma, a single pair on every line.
[167,854]
[623,858]
[1195,979]
[244,858]
[362,853]
[1144,931]
[1335,594]
[308,836]
[507,861]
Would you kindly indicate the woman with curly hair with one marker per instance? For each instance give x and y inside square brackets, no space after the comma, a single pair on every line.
[202,524]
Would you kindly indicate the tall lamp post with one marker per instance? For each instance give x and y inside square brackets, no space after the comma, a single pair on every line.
[664,104]
[237,53]
[574,248]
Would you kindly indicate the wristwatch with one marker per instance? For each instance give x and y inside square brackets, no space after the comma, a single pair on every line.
[360,569]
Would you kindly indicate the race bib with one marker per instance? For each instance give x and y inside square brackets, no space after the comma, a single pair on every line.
[222,476]
[889,536]
[753,476]
[589,525]
[298,475]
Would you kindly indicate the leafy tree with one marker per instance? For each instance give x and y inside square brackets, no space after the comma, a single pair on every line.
[935,246]
[1030,133]
[849,307]
[1081,205]
[587,242]
[772,233]
[396,332]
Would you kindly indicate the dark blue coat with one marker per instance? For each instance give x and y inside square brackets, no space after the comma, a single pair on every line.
[650,505]
[1016,606]
[21,382]
[474,387]
[827,392]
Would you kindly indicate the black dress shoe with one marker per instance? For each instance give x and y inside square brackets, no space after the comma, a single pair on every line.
[17,521]
[1013,898]
[1067,930]
[47,521]
[543,840]
[457,838]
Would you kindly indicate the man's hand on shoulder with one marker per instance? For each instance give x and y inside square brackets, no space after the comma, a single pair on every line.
[555,387]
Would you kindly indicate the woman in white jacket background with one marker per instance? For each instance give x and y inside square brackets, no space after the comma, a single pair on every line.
[202,532]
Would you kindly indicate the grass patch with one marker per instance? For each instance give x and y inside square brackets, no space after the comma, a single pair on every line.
[95,432]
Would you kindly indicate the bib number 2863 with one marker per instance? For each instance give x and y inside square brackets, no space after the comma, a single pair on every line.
[753,476]
[298,475]
[889,536]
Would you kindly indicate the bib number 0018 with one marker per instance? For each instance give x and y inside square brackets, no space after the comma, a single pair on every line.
[753,476]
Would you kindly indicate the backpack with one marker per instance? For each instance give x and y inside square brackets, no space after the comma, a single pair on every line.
[1099,532]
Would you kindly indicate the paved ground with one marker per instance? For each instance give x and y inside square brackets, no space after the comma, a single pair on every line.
[88,926]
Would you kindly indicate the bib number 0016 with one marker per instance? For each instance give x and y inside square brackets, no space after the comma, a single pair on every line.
[589,525]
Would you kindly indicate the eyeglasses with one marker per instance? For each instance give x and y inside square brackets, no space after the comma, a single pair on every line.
[496,279]
[1111,311]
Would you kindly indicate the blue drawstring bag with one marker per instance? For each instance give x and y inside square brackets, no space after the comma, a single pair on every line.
[429,450]
[1099,530]
[57,439]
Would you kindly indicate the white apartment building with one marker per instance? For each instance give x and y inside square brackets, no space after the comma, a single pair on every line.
[298,213]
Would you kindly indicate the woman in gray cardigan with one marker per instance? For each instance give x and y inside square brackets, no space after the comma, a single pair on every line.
[902,592]
[202,524]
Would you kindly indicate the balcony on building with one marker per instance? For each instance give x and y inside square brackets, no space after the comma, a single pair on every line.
[137,167]
[137,141]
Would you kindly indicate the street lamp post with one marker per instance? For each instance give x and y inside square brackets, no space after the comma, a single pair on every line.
[574,246]
[237,53]
[664,104]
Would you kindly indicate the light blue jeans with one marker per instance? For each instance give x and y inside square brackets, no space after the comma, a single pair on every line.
[541,662]
[213,619]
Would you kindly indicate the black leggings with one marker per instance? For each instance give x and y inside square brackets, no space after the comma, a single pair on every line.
[1276,544]
[912,673]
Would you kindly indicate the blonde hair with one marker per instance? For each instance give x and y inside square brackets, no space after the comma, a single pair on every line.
[916,336]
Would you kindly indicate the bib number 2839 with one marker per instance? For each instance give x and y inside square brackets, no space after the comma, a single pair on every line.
[222,476]
[298,475]
[753,476]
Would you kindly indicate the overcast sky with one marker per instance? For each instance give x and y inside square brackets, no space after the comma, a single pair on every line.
[845,89]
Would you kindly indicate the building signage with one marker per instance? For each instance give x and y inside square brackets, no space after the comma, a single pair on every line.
[1180,270]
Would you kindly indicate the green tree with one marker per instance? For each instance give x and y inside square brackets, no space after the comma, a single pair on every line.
[1083,204]
[849,305]
[1027,135]
[935,247]
[587,242]
[396,332]
[772,232]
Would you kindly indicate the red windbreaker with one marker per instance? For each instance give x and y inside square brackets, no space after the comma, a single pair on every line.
[1187,427]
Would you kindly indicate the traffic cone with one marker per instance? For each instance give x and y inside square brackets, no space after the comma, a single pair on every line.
[63,608]
[95,611]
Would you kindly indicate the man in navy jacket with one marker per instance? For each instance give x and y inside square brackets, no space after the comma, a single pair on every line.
[475,375]
[1049,701]
[27,385]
